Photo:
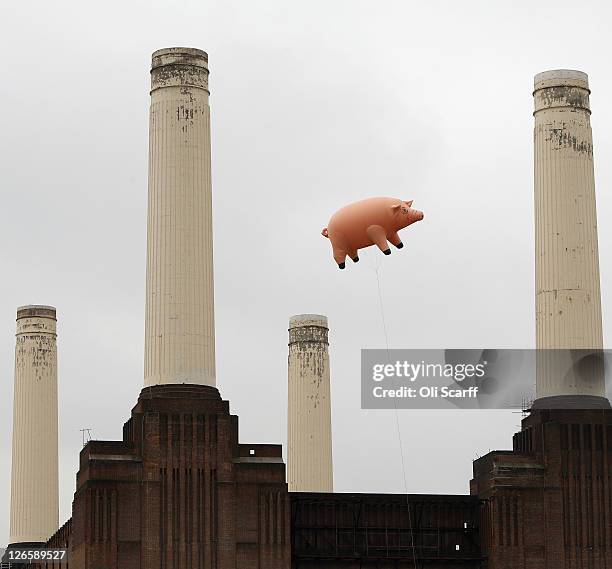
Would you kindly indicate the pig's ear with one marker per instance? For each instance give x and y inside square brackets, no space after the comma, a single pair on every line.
[395,207]
[409,204]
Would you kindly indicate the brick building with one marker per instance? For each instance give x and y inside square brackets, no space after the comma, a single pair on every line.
[181,492]
[547,503]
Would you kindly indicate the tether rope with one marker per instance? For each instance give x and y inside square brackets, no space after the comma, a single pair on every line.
[397,423]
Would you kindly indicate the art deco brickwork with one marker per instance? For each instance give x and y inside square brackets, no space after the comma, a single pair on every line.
[180,492]
[548,502]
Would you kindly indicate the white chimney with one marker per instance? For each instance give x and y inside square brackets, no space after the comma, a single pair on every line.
[34,475]
[568,299]
[179,318]
[309,458]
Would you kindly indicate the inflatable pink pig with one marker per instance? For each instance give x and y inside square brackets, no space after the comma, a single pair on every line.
[369,222]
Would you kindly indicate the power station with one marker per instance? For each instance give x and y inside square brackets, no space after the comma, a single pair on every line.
[180,491]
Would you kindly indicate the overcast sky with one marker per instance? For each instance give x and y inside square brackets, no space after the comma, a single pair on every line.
[314,104]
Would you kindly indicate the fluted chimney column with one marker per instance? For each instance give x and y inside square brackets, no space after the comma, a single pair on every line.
[309,457]
[34,475]
[179,319]
[568,299]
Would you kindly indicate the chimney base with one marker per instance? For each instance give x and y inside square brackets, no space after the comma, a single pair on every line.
[571,402]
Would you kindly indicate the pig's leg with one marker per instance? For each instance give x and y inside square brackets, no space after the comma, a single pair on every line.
[340,257]
[379,237]
[395,239]
[354,256]
[339,248]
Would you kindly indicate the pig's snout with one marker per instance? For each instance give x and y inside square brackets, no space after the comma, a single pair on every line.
[418,215]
